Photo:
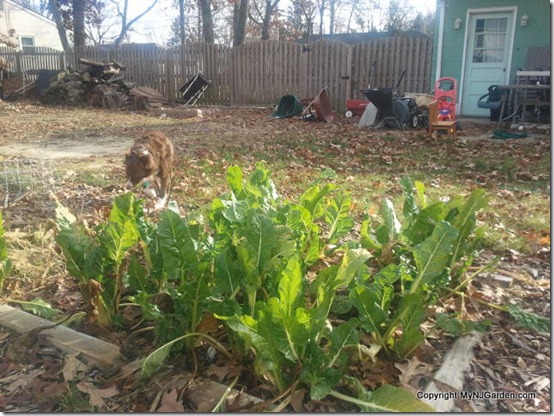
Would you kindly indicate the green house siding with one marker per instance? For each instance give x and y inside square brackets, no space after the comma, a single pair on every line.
[535,34]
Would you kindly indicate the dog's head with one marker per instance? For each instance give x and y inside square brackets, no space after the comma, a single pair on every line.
[139,165]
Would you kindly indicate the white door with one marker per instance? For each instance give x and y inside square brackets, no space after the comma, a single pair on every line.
[488,56]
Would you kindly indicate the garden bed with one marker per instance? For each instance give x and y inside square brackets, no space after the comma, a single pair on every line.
[367,163]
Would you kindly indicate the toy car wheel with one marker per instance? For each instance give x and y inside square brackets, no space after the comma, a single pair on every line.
[348,114]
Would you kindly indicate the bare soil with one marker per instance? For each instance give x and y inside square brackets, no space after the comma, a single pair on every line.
[86,141]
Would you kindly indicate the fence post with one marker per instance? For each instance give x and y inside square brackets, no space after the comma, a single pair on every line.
[18,56]
[169,76]
[348,75]
[61,60]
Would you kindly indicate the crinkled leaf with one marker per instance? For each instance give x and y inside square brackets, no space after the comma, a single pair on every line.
[388,398]
[258,335]
[300,220]
[370,314]
[39,307]
[316,373]
[352,261]
[74,240]
[390,228]
[409,315]
[312,198]
[529,320]
[465,222]
[410,208]
[340,337]
[227,273]
[155,360]
[263,242]
[369,240]
[433,255]
[176,245]
[424,222]
[291,292]
[234,179]
[235,211]
[333,278]
[338,218]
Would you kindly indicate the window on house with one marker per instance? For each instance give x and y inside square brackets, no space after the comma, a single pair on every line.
[490,40]
[27,42]
[1,5]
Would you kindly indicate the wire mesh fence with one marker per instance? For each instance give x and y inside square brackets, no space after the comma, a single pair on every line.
[22,177]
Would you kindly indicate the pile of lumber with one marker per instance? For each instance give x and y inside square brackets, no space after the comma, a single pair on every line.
[100,84]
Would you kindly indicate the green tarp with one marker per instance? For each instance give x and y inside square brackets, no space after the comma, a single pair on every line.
[289,106]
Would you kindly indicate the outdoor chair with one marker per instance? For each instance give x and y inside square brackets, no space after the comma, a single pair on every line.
[493,101]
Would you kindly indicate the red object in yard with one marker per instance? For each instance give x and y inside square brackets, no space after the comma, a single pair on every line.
[356,107]
[445,94]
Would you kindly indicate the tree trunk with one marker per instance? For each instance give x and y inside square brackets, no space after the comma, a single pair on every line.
[269,10]
[182,21]
[207,20]
[239,20]
[79,23]
[53,4]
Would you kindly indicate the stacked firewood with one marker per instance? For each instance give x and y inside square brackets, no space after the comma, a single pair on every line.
[100,84]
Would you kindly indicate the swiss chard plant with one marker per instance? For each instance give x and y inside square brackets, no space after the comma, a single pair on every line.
[273,270]
[98,258]
[291,338]
[419,258]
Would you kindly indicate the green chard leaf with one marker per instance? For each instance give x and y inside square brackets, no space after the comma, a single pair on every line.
[176,245]
[433,255]
[389,230]
[338,218]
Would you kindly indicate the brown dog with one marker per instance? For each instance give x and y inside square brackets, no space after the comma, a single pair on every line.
[150,163]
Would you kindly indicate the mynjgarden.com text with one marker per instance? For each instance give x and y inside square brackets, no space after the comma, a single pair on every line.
[473,395]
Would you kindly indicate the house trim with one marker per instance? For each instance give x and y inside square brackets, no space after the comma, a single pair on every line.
[438,68]
[470,12]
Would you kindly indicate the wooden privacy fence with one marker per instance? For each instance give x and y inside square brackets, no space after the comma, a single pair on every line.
[261,72]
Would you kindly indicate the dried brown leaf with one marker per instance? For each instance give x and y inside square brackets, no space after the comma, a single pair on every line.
[97,396]
[171,403]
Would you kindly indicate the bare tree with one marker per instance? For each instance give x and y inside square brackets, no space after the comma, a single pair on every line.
[262,18]
[334,6]
[397,16]
[126,22]
[322,5]
[424,23]
[99,22]
[362,15]
[302,17]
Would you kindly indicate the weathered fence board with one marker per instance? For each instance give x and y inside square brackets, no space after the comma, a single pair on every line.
[256,73]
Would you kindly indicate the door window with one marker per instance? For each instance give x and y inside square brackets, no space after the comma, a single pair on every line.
[490,40]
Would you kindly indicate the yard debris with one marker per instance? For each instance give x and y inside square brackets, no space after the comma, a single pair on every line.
[101,84]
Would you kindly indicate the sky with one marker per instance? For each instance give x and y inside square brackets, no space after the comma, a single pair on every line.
[155,26]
